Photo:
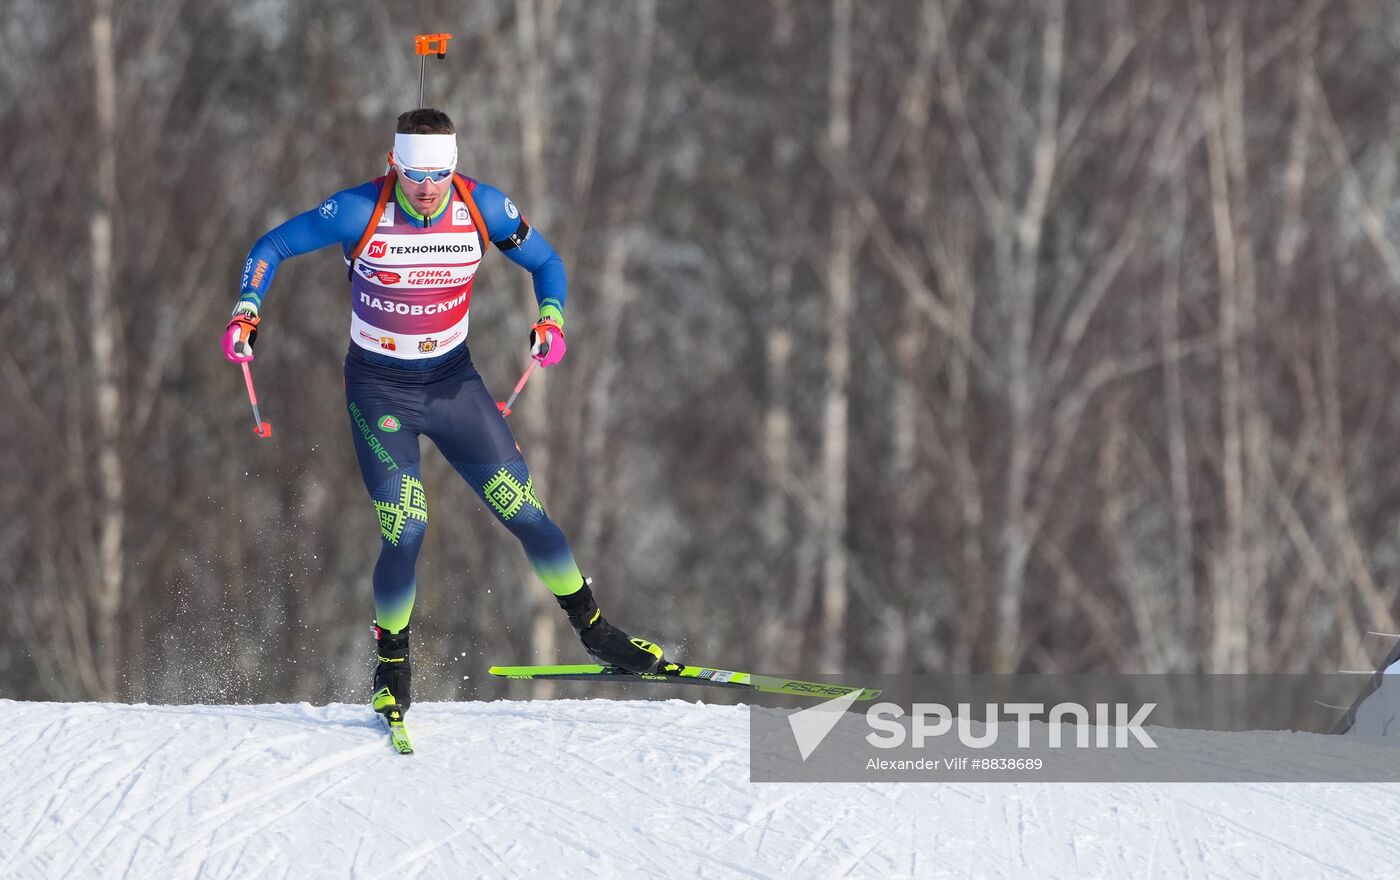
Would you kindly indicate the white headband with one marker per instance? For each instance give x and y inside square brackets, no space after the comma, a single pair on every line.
[428,152]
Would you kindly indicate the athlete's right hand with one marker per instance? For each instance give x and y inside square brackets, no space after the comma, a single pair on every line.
[547,342]
[240,333]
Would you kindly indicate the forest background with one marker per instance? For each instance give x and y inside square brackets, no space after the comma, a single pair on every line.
[925,335]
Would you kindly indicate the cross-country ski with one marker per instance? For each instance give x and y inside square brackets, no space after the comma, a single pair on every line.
[684,674]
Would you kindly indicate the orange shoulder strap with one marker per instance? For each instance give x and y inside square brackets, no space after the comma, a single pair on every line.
[465,194]
[384,191]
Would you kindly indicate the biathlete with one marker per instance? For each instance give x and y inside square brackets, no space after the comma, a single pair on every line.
[412,241]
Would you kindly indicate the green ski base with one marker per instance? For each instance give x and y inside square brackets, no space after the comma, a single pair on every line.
[702,675]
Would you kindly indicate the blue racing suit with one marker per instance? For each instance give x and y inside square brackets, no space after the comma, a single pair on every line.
[413,283]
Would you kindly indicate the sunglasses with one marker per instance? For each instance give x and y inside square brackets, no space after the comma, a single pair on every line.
[417,176]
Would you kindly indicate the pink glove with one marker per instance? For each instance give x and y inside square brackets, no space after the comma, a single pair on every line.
[239,336]
[547,343]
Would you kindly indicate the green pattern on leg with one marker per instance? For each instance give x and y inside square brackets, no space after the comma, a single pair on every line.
[411,504]
[507,495]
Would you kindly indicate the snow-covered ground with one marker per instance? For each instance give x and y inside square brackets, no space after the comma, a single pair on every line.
[598,789]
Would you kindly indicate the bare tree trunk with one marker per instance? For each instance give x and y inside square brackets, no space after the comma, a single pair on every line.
[532,32]
[1332,475]
[1230,636]
[840,283]
[615,292]
[894,656]
[778,634]
[907,602]
[1017,537]
[1137,581]
[106,335]
[1183,549]
[1257,441]
[967,490]
[776,638]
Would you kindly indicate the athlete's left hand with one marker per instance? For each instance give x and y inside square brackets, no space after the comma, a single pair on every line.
[547,342]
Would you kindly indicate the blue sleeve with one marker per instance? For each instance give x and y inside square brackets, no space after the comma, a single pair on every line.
[340,219]
[523,246]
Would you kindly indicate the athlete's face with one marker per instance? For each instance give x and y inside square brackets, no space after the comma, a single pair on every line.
[427,196]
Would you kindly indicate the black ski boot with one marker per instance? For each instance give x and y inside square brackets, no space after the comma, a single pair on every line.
[392,677]
[608,644]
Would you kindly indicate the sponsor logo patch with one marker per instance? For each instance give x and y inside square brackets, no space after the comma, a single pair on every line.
[389,424]
[259,273]
[367,271]
[377,248]
[389,277]
[329,208]
[368,433]
[410,249]
[427,345]
[413,309]
[461,216]
[387,218]
[511,211]
[439,277]
[811,687]
[388,344]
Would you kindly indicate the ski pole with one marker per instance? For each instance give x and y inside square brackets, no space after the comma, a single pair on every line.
[261,428]
[505,405]
[425,45]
